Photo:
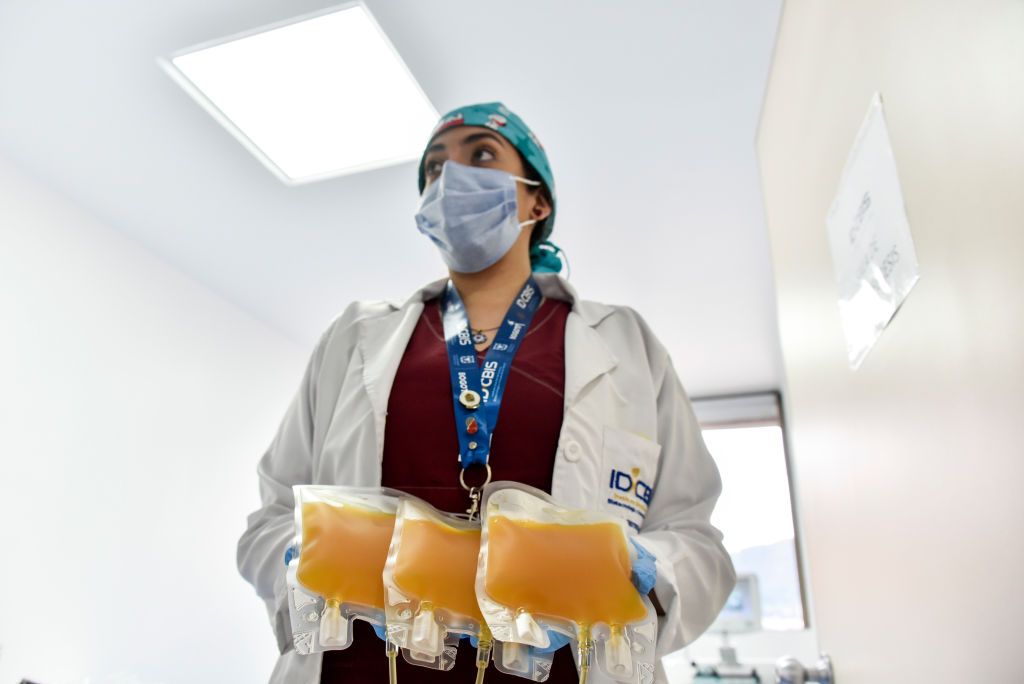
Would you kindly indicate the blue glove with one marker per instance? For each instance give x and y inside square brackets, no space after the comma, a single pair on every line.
[380,631]
[473,641]
[291,552]
[558,640]
[644,573]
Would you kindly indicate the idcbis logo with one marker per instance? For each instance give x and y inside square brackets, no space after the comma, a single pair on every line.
[631,484]
[487,378]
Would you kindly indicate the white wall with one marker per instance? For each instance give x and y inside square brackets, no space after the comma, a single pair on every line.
[134,405]
[909,470]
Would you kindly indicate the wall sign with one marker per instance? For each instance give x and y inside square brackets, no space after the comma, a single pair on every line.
[872,251]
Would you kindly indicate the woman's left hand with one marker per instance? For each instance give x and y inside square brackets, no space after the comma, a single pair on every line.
[644,573]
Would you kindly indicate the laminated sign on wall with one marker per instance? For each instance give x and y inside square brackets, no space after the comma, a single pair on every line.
[874,258]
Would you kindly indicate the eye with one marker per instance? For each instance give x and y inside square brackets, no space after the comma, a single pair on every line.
[483,154]
[432,167]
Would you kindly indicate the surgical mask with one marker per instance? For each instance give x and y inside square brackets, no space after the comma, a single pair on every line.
[471,215]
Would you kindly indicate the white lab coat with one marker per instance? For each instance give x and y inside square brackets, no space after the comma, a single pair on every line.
[627,420]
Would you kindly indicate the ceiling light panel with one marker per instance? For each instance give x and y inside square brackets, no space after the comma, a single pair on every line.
[316,97]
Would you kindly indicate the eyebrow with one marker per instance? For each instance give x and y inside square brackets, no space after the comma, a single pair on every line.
[439,147]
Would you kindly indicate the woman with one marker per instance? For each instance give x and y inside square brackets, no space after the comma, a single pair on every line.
[590,407]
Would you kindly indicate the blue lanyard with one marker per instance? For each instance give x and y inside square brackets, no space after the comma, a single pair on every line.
[477,389]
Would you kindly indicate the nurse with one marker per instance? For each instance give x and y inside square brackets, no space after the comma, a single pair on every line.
[497,371]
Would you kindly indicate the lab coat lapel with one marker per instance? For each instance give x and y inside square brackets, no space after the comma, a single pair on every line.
[382,342]
[590,400]
[587,357]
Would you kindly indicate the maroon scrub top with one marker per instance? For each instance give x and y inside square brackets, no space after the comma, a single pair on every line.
[421,457]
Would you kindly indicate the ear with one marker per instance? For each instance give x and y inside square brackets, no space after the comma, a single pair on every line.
[541,206]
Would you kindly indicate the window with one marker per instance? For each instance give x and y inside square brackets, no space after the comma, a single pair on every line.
[755,513]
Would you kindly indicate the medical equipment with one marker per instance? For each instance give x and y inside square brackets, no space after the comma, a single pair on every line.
[710,675]
[342,534]
[742,610]
[544,567]
[429,587]
[741,613]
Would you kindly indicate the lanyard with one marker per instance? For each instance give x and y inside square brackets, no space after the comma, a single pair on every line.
[477,390]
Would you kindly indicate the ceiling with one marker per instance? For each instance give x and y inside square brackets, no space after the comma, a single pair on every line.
[648,111]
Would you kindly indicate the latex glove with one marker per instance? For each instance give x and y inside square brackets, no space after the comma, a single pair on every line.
[291,552]
[473,641]
[558,640]
[644,574]
[380,631]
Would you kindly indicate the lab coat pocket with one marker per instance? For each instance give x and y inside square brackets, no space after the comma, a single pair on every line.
[630,463]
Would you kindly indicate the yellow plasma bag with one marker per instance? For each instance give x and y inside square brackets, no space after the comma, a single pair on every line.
[343,534]
[544,568]
[430,587]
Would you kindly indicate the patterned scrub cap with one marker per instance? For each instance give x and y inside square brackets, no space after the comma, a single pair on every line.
[502,120]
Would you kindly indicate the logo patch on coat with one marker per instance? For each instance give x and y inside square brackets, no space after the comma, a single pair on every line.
[628,490]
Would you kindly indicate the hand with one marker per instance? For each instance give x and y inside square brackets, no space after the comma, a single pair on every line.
[558,640]
[291,552]
[644,574]
[380,631]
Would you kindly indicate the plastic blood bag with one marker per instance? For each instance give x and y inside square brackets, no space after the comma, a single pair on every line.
[357,535]
[585,575]
[430,589]
[343,536]
[438,563]
[544,568]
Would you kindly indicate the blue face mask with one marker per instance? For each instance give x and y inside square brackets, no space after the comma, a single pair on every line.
[470,213]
